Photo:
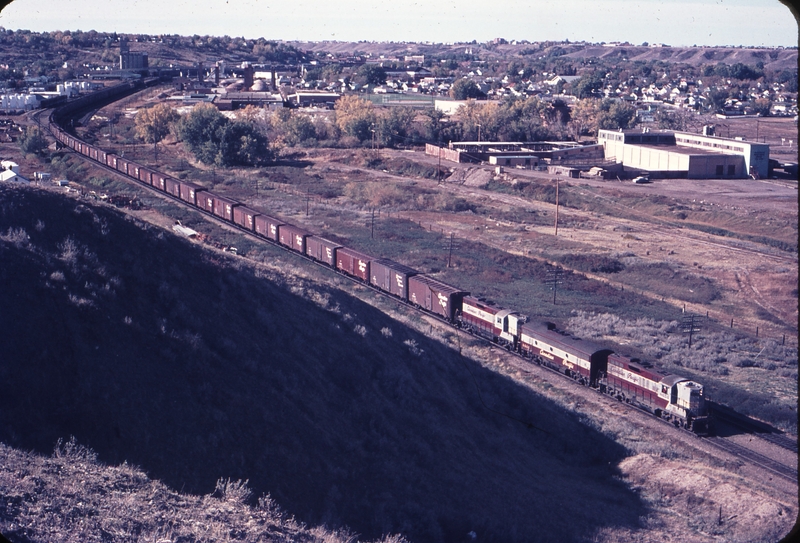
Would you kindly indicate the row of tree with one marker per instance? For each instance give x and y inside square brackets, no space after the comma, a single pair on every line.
[357,121]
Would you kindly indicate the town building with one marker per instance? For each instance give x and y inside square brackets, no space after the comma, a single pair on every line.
[667,153]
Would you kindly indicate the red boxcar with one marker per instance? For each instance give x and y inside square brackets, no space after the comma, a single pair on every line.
[353,263]
[205,201]
[223,207]
[145,175]
[293,237]
[159,181]
[322,250]
[435,296]
[189,192]
[246,217]
[173,186]
[122,165]
[391,276]
[268,227]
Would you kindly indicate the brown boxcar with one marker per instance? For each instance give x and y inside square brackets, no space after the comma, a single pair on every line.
[391,276]
[223,207]
[189,192]
[293,237]
[160,181]
[435,296]
[268,227]
[145,175]
[246,217]
[111,160]
[322,250]
[122,165]
[353,263]
[173,187]
[205,201]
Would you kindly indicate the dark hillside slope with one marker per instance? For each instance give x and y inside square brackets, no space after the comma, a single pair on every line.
[149,349]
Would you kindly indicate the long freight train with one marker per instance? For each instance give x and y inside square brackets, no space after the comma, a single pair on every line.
[671,397]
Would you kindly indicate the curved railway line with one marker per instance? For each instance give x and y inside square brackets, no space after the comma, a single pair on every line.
[720,442]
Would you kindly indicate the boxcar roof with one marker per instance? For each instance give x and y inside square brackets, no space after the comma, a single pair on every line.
[395,266]
[435,283]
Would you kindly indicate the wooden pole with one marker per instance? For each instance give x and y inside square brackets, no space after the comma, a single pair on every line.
[556,207]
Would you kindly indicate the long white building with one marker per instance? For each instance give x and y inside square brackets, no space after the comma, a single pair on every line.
[666,153]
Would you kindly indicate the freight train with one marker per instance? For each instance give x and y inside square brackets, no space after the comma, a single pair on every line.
[670,397]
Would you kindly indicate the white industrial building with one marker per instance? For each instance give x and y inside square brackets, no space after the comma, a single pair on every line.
[666,153]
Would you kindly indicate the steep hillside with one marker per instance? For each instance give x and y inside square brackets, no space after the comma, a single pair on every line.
[198,366]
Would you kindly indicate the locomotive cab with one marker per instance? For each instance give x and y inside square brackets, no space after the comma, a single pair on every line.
[685,401]
[508,324]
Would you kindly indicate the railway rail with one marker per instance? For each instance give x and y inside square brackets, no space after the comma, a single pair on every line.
[753,457]
[763,431]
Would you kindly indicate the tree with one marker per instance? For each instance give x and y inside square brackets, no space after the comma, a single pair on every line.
[464,88]
[616,114]
[201,130]
[299,129]
[588,85]
[213,139]
[154,123]
[32,142]
[762,106]
[355,117]
[717,98]
[371,74]
[393,126]
[584,117]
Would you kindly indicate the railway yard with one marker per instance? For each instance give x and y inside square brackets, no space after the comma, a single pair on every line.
[737,485]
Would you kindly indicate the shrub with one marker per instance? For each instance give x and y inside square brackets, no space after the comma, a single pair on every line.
[16,236]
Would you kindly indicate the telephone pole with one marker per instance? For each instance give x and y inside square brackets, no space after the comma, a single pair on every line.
[555,280]
[450,256]
[690,324]
[556,208]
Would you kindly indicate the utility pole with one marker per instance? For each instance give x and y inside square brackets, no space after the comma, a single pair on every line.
[450,255]
[690,325]
[439,167]
[555,279]
[372,228]
[556,208]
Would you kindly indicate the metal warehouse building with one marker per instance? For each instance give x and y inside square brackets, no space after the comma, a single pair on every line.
[683,154]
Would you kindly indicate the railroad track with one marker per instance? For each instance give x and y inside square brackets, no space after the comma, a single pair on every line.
[750,426]
[753,457]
